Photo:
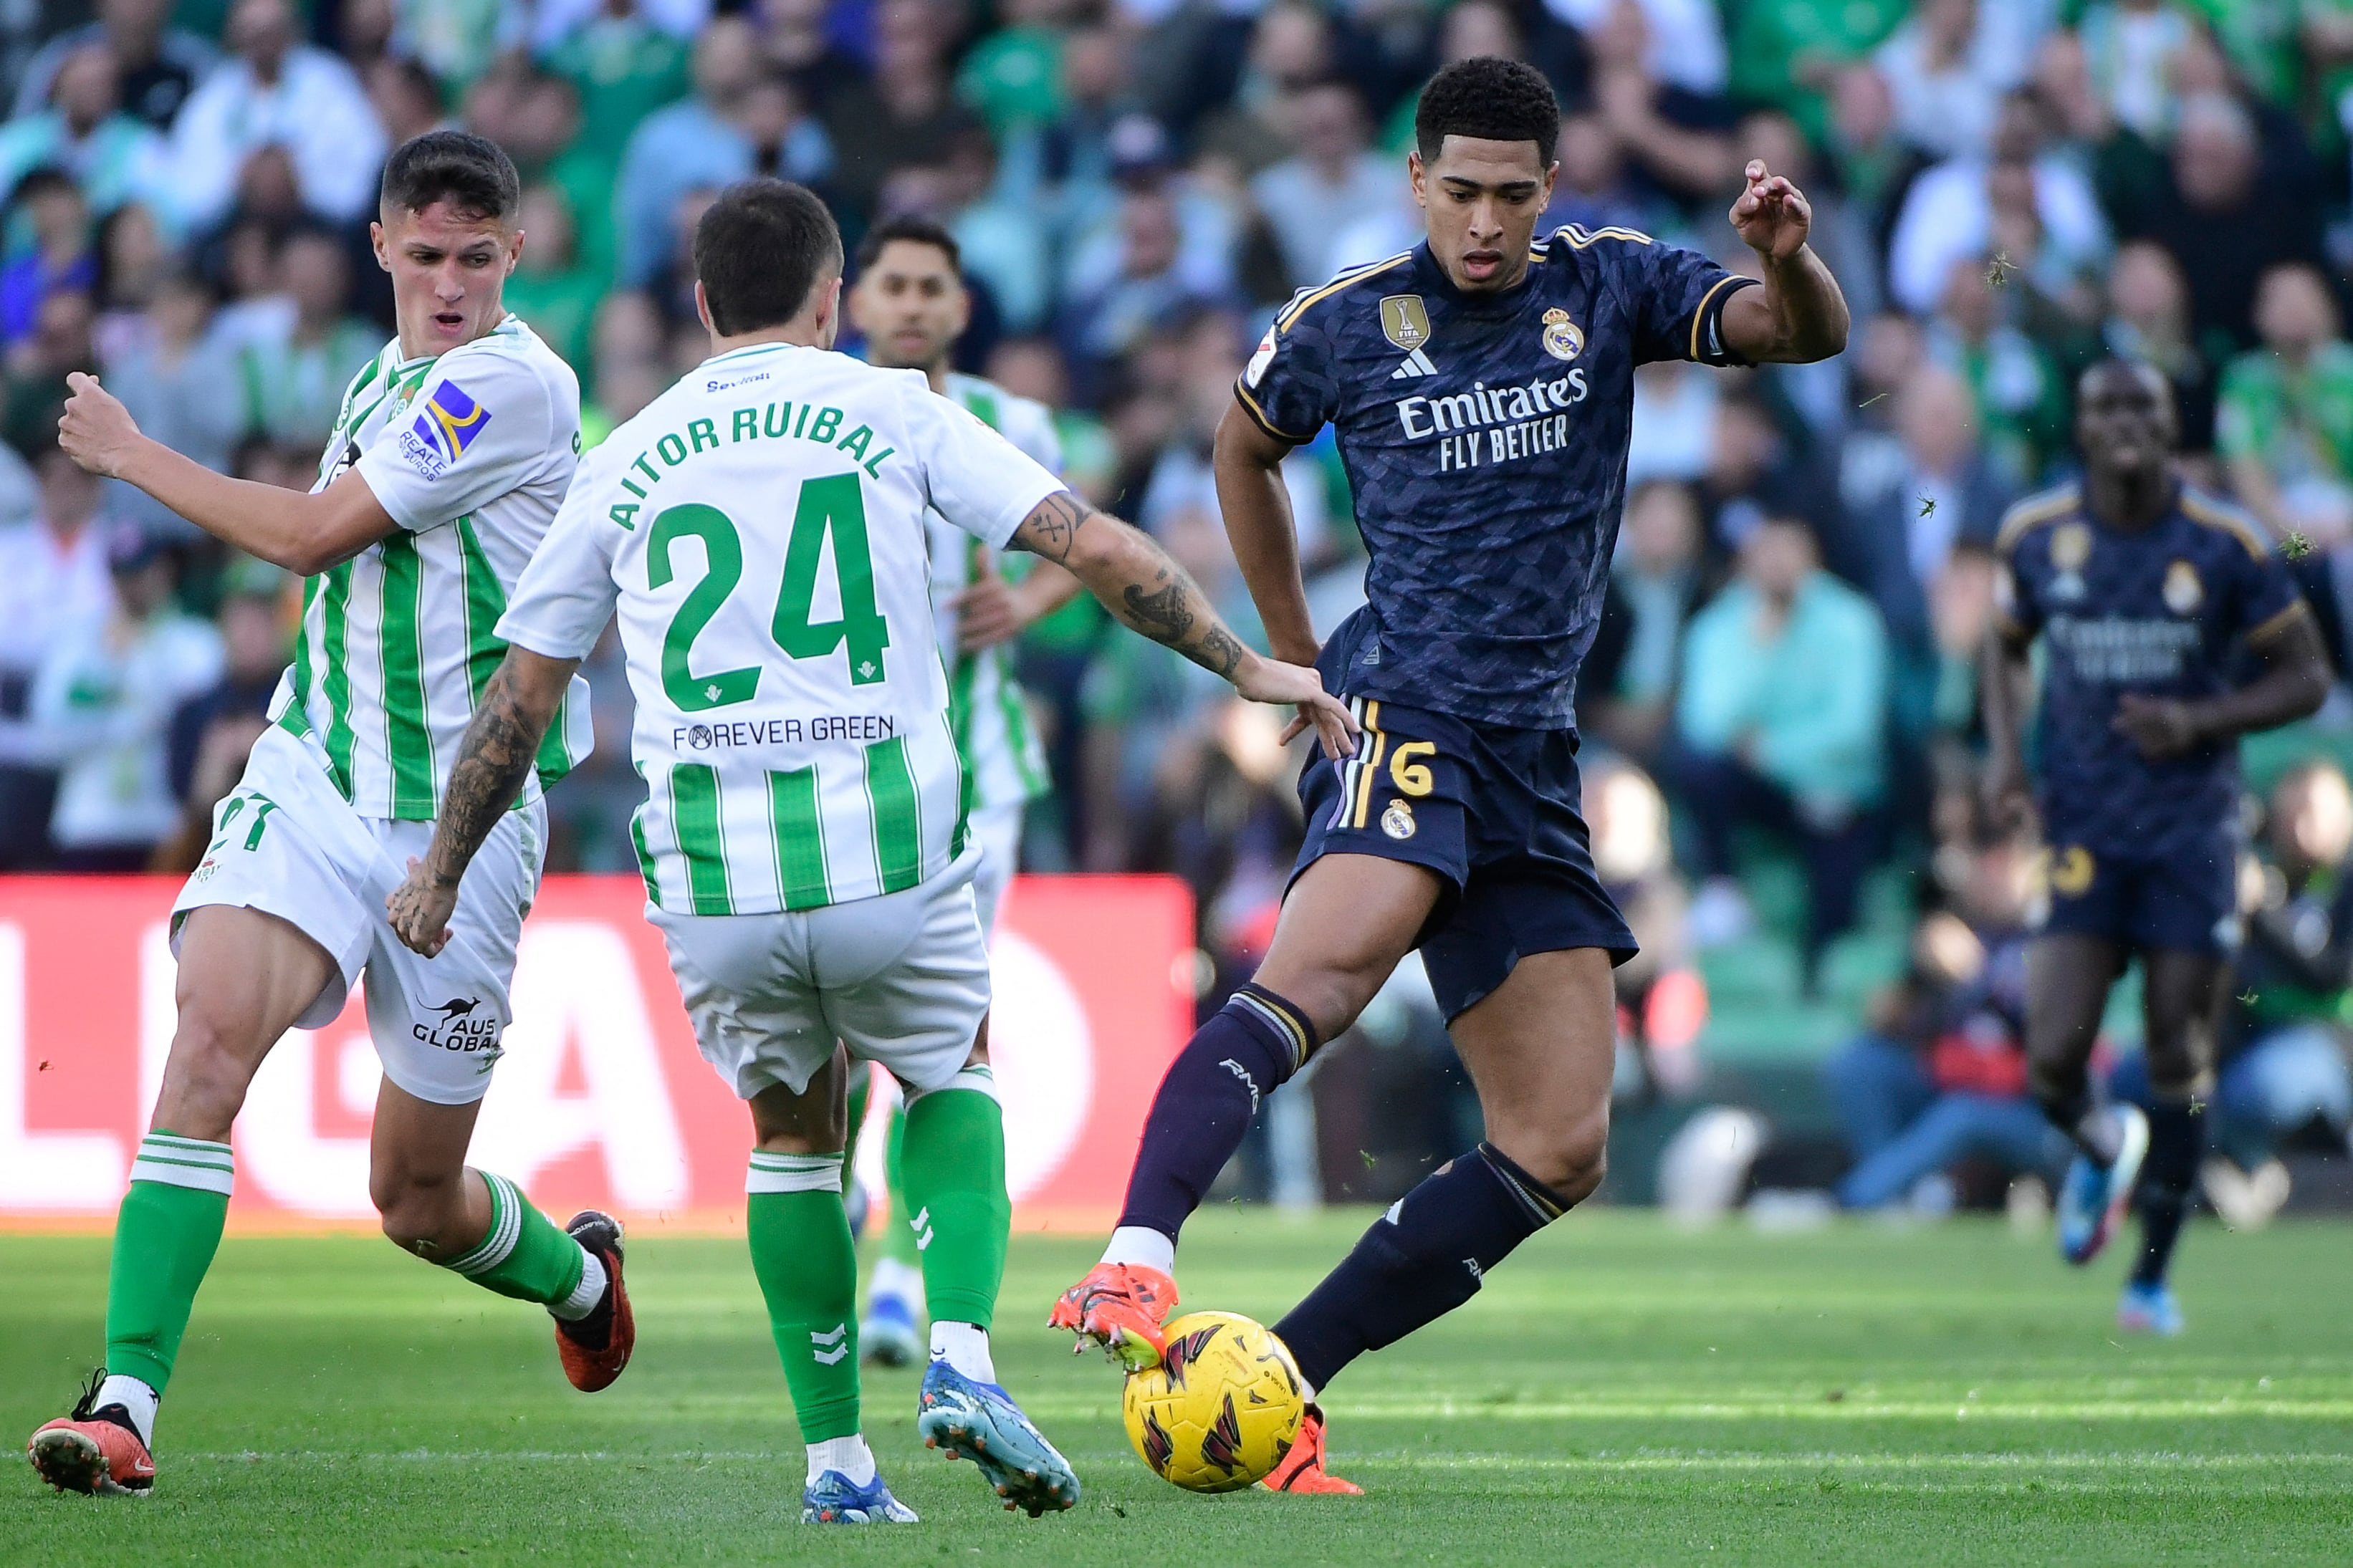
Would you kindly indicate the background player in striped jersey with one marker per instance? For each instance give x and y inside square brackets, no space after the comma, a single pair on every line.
[452,450]
[804,844]
[910,305]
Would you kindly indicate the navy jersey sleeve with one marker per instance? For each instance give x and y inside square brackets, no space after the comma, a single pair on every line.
[2267,598]
[2016,614]
[1677,299]
[1287,388]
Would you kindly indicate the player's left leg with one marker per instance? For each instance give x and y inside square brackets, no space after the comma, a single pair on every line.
[439,1025]
[2068,973]
[2181,1003]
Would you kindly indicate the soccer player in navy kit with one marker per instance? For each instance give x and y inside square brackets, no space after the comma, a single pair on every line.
[2143,592]
[1481,388]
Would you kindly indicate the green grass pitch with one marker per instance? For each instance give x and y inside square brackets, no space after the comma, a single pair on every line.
[1620,1392]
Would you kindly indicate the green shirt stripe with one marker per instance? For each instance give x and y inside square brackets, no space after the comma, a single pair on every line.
[897,815]
[801,879]
[408,738]
[485,602]
[645,857]
[334,617]
[695,814]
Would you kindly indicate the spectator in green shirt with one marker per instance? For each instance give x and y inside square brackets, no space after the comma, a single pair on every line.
[2284,427]
[1786,52]
[624,68]
[551,288]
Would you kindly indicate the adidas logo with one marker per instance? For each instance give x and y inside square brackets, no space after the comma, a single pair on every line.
[827,1349]
[1417,363]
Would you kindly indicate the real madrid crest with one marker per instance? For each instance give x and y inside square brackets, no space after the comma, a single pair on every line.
[1397,820]
[1404,321]
[1563,339]
[2071,547]
[2183,592]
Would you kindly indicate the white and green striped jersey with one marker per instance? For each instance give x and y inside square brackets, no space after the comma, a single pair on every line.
[1004,763]
[761,527]
[470,452]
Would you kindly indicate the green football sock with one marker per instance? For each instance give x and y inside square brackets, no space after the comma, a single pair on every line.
[807,1268]
[164,1236]
[523,1254]
[959,1217]
[899,1236]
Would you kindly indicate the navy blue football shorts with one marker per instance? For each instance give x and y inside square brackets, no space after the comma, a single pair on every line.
[1495,812]
[2183,900]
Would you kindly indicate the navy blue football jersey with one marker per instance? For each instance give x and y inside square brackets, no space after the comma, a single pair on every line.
[2160,612]
[1484,436]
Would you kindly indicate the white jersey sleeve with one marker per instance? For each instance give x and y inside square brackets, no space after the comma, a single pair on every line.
[1030,425]
[482,425]
[567,595]
[973,476]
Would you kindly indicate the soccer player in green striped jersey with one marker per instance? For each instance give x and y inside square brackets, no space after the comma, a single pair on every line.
[910,305]
[452,451]
[760,530]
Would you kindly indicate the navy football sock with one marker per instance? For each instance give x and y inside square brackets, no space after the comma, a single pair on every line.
[1419,1261]
[2176,1136]
[1252,1044]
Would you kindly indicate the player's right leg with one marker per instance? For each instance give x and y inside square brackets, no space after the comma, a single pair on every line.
[245,978]
[1345,922]
[2068,973]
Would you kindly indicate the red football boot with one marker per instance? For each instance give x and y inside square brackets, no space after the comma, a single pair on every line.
[1121,1307]
[1302,1470]
[94,1451]
[597,1347]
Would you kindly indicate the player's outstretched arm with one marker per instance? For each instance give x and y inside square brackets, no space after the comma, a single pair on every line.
[493,761]
[303,533]
[1150,594]
[1801,315]
[2006,685]
[2293,684]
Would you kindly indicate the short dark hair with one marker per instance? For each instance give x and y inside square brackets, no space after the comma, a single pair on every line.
[759,249]
[914,229]
[1488,98]
[470,173]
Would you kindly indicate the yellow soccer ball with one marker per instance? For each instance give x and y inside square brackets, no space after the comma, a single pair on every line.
[1222,1407]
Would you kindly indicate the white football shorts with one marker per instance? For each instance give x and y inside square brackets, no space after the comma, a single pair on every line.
[286,842]
[901,979]
[997,830]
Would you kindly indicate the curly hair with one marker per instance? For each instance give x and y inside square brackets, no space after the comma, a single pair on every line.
[1488,98]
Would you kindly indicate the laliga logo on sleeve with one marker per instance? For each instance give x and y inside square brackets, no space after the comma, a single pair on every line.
[1261,360]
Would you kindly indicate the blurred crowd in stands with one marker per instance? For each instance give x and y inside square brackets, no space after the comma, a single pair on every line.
[2007,189]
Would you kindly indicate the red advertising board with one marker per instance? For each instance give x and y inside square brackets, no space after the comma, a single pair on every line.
[601,1099]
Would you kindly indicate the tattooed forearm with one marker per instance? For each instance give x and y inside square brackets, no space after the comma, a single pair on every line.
[1162,614]
[493,762]
[1148,592]
[1051,529]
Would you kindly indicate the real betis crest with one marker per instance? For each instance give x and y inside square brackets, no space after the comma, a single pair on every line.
[1404,321]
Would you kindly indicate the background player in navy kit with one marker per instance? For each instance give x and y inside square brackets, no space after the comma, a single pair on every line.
[2144,592]
[1482,386]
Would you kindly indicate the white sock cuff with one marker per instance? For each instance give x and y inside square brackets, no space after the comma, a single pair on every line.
[178,1162]
[976,1078]
[135,1396]
[506,1230]
[793,1172]
[1142,1245]
[584,1295]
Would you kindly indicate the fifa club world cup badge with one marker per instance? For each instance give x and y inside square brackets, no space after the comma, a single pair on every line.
[2183,592]
[1563,339]
[2071,546]
[1404,321]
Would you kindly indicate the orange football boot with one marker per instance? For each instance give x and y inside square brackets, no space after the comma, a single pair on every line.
[1302,1470]
[1121,1307]
[94,1451]
[597,1347]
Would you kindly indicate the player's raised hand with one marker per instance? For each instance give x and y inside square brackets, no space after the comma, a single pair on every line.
[421,911]
[1295,685]
[2160,727]
[97,431]
[987,612]
[1771,215]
